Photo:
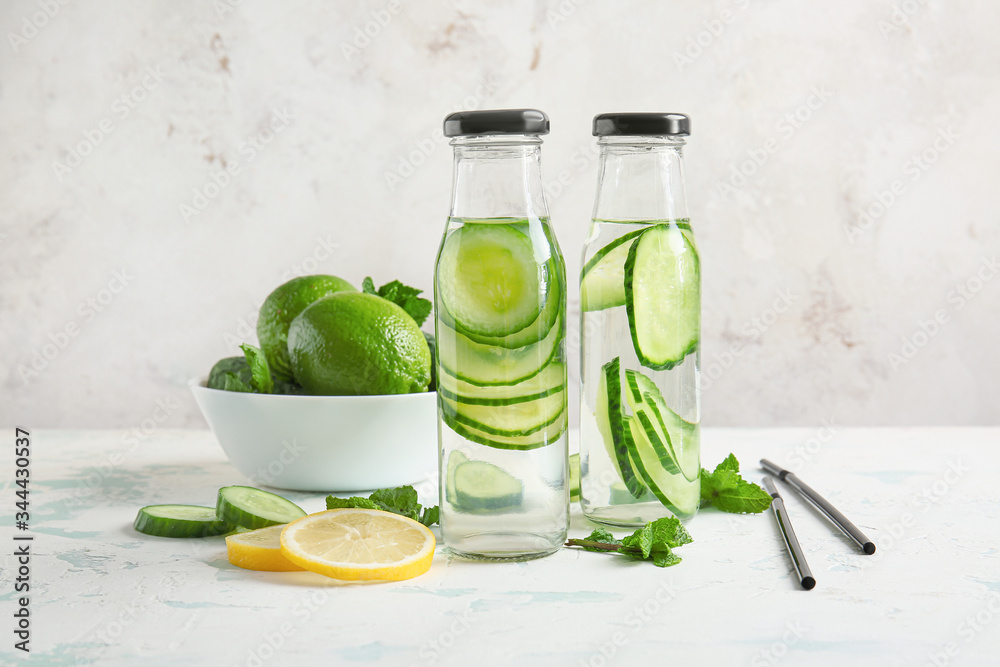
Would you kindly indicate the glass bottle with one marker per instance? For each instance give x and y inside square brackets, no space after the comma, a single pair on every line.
[500,327]
[640,305]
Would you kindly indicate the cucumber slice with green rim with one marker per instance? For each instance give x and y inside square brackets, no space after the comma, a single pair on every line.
[675,492]
[544,437]
[647,413]
[611,424]
[481,486]
[180,521]
[253,508]
[602,280]
[489,280]
[551,380]
[455,459]
[515,419]
[487,365]
[542,325]
[663,297]
[670,435]
[574,477]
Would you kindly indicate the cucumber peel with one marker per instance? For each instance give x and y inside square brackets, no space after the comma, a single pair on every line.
[611,424]
[180,521]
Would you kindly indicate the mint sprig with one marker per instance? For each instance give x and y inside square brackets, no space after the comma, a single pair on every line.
[655,542]
[257,381]
[401,500]
[260,372]
[403,296]
[725,489]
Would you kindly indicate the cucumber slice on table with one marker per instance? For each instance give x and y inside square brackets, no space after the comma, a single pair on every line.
[253,508]
[481,486]
[545,436]
[602,280]
[455,459]
[180,521]
[673,437]
[551,380]
[674,491]
[611,424]
[486,365]
[522,418]
[489,279]
[662,296]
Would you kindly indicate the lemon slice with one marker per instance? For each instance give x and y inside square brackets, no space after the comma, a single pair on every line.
[357,544]
[259,550]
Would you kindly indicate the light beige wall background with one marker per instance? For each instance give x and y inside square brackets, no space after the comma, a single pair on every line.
[842,171]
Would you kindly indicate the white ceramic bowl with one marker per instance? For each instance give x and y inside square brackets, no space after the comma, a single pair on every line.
[324,443]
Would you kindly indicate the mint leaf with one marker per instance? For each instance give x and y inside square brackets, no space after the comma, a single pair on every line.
[235,365]
[714,483]
[354,502]
[669,531]
[602,535]
[728,463]
[641,539]
[726,489]
[233,383]
[430,516]
[401,500]
[260,372]
[403,296]
[666,559]
[654,542]
[747,497]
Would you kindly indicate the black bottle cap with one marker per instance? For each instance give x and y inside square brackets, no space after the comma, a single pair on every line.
[641,125]
[496,121]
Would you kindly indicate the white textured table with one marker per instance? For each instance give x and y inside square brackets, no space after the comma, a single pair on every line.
[103,594]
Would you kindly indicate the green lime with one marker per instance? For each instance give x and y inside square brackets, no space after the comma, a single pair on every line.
[282,306]
[353,343]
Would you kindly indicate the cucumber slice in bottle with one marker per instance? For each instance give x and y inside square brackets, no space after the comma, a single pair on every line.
[455,459]
[487,365]
[481,486]
[662,297]
[619,495]
[545,436]
[542,325]
[611,424]
[515,419]
[253,508]
[574,477]
[675,492]
[180,521]
[667,432]
[489,279]
[602,280]
[551,380]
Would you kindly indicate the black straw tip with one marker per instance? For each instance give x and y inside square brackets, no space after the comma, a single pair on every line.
[808,583]
[869,548]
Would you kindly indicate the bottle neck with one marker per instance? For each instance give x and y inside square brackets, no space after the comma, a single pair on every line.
[640,179]
[498,176]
